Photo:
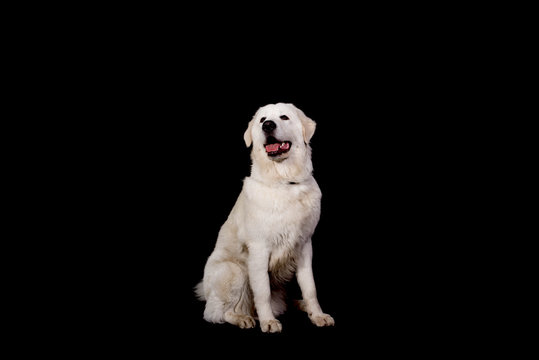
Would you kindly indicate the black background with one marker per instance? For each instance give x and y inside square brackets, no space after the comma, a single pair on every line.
[172,167]
[161,163]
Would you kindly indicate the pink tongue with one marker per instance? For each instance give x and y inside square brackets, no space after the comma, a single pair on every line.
[272,147]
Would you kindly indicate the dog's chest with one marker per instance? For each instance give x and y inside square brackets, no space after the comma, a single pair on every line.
[286,217]
[286,234]
[281,210]
[289,226]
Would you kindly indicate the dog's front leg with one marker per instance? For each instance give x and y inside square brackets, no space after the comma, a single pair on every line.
[259,279]
[304,275]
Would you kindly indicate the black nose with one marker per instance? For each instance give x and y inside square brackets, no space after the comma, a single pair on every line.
[268,126]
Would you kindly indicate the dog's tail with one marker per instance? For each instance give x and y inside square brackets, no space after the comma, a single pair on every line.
[199,291]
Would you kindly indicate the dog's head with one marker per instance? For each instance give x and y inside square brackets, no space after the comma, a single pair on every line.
[279,130]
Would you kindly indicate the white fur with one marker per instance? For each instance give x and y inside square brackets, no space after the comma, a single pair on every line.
[267,236]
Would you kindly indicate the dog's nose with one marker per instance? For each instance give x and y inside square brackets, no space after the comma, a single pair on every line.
[268,126]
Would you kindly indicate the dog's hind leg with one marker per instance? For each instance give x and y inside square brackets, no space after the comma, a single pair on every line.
[228,296]
[278,303]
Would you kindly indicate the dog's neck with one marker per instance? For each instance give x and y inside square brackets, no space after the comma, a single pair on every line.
[292,171]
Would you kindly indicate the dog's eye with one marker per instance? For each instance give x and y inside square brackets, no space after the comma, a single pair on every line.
[263,118]
[284,117]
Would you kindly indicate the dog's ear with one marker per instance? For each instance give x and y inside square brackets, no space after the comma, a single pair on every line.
[308,125]
[247,135]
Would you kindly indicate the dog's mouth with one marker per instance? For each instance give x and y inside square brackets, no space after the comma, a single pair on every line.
[276,147]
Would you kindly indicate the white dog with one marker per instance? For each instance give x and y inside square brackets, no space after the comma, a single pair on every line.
[267,236]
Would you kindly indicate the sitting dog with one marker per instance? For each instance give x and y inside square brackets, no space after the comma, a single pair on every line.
[267,236]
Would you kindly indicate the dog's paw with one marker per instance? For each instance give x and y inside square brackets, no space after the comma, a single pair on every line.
[322,320]
[271,326]
[241,320]
[246,322]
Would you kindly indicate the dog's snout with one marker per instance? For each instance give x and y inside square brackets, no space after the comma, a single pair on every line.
[268,126]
